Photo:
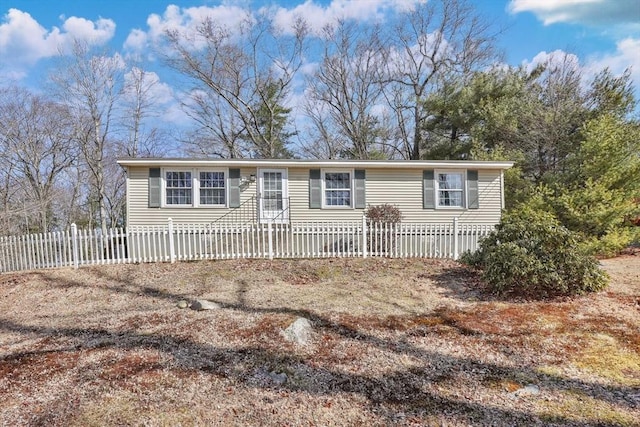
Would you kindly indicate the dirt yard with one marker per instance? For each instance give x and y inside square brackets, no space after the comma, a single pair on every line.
[395,342]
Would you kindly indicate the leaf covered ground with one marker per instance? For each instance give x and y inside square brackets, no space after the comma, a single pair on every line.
[396,342]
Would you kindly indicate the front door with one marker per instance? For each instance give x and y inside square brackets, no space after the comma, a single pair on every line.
[273,197]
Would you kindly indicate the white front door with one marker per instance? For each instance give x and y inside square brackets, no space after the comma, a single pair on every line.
[273,197]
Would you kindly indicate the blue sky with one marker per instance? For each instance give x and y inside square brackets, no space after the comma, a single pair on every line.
[599,32]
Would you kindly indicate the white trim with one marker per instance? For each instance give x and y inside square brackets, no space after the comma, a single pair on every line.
[197,188]
[436,187]
[163,186]
[127,192]
[502,203]
[314,164]
[285,193]
[351,187]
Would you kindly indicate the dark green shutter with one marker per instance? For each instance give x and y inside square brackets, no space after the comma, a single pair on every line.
[155,189]
[472,189]
[428,190]
[234,188]
[360,194]
[315,189]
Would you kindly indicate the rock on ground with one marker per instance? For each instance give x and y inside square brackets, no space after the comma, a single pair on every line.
[299,331]
[203,304]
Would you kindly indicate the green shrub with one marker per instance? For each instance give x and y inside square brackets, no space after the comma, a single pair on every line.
[611,243]
[599,214]
[530,254]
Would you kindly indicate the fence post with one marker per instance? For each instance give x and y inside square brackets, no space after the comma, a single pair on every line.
[270,238]
[455,238]
[364,236]
[74,244]
[172,251]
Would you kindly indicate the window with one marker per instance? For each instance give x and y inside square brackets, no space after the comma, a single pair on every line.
[197,188]
[450,189]
[337,189]
[212,189]
[272,191]
[178,187]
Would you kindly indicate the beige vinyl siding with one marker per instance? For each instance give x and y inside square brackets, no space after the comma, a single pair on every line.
[139,212]
[401,187]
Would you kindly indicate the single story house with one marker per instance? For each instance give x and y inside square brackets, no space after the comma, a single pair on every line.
[202,191]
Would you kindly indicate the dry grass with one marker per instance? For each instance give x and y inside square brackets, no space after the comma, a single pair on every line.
[397,342]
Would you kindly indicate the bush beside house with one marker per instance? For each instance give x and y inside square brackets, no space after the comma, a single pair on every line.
[530,254]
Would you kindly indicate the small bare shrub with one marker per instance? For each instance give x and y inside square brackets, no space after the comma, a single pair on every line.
[382,221]
[385,213]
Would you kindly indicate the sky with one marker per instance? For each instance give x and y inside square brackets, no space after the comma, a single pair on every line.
[32,32]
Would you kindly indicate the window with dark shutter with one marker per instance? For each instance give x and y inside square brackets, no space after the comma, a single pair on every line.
[234,188]
[360,193]
[473,198]
[315,189]
[428,190]
[155,190]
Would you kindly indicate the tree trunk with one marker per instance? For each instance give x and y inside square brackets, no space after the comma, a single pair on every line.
[417,134]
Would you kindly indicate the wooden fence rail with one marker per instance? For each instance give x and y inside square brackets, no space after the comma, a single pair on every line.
[178,242]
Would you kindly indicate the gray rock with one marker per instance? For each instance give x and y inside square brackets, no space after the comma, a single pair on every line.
[182,304]
[528,390]
[203,304]
[299,331]
[278,378]
[264,378]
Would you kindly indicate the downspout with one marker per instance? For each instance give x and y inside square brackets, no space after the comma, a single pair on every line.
[502,203]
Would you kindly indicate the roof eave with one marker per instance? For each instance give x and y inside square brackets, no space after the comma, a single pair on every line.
[380,164]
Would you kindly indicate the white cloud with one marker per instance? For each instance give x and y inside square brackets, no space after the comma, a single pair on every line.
[619,18]
[185,20]
[233,16]
[149,84]
[163,107]
[98,32]
[175,115]
[136,46]
[591,12]
[136,40]
[23,41]
[551,59]
[309,68]
[318,16]
[627,55]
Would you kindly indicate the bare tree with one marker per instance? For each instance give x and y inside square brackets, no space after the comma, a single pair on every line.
[115,190]
[90,84]
[439,40]
[9,192]
[249,72]
[71,197]
[345,91]
[218,131]
[139,102]
[37,145]
[323,140]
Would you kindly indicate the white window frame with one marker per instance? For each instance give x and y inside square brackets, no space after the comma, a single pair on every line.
[195,188]
[463,175]
[283,215]
[323,173]
[198,202]
[165,188]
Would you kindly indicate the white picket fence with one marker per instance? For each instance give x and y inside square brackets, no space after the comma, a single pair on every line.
[176,242]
